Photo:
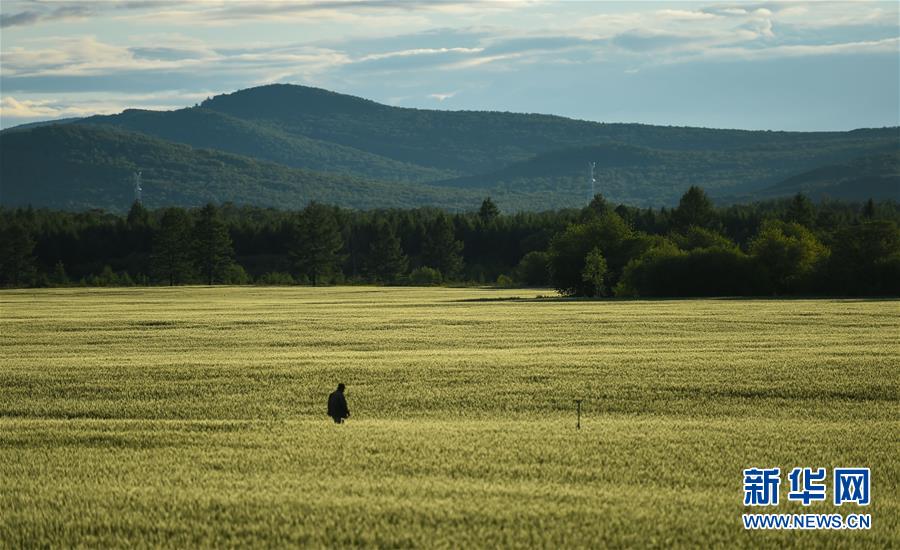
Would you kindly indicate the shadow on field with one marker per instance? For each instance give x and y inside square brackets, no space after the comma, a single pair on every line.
[876,299]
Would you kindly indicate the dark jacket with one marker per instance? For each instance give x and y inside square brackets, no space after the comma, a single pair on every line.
[337,405]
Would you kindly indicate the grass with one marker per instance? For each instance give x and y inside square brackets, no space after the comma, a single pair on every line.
[195,416]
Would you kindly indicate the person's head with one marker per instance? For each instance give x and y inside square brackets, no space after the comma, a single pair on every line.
[341,388]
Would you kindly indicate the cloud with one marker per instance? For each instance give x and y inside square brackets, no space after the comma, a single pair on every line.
[874,47]
[640,40]
[402,51]
[31,17]
[441,97]
[419,51]
[14,110]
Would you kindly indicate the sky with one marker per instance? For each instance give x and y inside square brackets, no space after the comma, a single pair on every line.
[774,65]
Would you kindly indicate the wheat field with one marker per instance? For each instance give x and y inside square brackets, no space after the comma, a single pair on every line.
[184,417]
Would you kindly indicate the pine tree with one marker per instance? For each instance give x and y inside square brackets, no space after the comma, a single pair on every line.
[386,260]
[214,250]
[869,210]
[59,277]
[441,250]
[801,210]
[317,242]
[488,211]
[173,247]
[137,216]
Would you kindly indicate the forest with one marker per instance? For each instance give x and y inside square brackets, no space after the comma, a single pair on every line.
[780,247]
[283,146]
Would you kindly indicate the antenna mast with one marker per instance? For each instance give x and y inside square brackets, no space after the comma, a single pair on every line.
[593,181]
[137,187]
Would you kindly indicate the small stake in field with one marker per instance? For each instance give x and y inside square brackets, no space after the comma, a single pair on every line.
[578,422]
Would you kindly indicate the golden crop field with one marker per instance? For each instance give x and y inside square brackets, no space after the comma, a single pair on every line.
[196,416]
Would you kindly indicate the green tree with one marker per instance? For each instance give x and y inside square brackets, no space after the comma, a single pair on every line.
[213,245]
[697,237]
[869,211]
[801,210]
[694,208]
[137,216]
[569,250]
[317,242]
[787,253]
[488,211]
[386,261]
[599,205]
[441,250]
[865,259]
[533,269]
[16,255]
[594,272]
[59,277]
[173,247]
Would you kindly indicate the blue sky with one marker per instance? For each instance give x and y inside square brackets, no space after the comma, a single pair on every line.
[774,65]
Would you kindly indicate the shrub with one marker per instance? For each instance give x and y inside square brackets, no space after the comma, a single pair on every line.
[534,269]
[275,278]
[234,274]
[505,281]
[425,276]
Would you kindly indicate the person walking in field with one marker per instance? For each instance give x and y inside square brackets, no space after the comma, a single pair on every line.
[337,405]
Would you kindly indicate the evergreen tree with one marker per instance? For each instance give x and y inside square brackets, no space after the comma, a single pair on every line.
[386,260]
[317,242]
[488,211]
[213,244]
[801,210]
[597,207]
[441,250]
[694,208]
[137,216]
[59,277]
[868,212]
[16,259]
[173,247]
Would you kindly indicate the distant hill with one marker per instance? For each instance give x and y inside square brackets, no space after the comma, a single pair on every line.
[647,177]
[476,142]
[876,177]
[343,148]
[32,125]
[78,166]
[206,128]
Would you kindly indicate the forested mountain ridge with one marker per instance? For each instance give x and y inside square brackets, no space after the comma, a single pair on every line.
[448,159]
[205,128]
[77,166]
[475,142]
[876,176]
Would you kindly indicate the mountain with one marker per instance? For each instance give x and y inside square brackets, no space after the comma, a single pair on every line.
[200,127]
[77,166]
[283,144]
[876,177]
[647,177]
[32,125]
[477,142]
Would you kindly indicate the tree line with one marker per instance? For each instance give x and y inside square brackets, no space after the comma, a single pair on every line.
[782,247]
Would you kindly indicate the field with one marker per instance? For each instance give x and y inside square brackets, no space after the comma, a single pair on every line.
[196,416]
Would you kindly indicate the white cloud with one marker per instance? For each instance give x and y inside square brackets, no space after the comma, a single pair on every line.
[418,51]
[441,97]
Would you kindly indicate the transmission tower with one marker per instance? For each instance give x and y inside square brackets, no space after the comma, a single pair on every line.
[137,187]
